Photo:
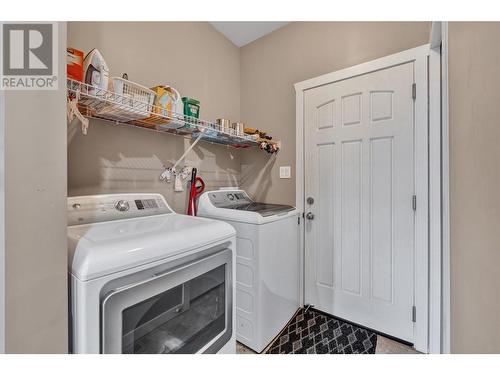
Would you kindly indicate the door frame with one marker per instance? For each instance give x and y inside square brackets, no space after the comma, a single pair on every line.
[420,56]
[2,214]
[445,318]
[440,240]
[2,219]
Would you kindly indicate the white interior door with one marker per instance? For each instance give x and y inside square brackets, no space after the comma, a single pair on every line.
[359,169]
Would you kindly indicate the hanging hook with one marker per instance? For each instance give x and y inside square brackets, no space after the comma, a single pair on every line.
[73,112]
[200,136]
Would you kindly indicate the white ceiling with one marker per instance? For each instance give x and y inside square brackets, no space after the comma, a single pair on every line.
[244,32]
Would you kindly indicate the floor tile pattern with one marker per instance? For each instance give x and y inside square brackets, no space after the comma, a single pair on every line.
[312,332]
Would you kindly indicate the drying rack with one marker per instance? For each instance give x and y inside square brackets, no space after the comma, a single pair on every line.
[93,102]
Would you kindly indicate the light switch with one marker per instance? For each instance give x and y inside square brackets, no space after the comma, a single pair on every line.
[285,172]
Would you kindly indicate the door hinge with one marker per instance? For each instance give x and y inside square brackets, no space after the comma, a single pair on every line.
[414,314]
[414,91]
[414,202]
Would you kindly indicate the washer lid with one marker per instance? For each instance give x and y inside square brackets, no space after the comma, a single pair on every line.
[264,209]
[99,249]
[236,205]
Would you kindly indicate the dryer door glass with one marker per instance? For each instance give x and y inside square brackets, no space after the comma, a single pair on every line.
[179,320]
[182,310]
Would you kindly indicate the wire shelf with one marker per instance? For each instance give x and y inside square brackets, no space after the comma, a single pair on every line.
[131,109]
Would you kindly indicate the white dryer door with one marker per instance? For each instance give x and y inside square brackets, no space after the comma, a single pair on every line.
[187,309]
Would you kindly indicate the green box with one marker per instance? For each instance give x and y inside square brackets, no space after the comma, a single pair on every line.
[191,107]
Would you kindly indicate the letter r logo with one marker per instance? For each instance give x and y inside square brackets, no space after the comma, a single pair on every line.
[27,49]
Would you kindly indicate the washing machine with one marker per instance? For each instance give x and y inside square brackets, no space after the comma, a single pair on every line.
[144,279]
[267,262]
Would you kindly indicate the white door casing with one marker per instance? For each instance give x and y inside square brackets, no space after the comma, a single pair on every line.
[358,206]
[2,220]
[2,214]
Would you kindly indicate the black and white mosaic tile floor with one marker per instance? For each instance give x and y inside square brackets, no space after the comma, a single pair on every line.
[313,332]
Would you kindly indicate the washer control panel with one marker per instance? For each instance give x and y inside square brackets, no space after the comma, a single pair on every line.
[224,199]
[99,208]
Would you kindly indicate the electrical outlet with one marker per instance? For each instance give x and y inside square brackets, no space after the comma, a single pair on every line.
[285,172]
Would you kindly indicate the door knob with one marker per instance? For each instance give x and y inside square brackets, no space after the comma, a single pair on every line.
[309,216]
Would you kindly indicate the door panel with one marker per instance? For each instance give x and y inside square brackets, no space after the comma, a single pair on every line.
[359,167]
[325,265]
[350,219]
[381,219]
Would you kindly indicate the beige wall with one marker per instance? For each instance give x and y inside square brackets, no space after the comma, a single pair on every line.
[302,50]
[35,212]
[191,56]
[474,81]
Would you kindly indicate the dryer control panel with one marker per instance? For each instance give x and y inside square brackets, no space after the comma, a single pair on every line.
[99,208]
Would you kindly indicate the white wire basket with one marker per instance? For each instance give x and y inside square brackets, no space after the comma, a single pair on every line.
[129,101]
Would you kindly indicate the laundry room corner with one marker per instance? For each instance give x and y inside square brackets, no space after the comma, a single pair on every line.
[111,159]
